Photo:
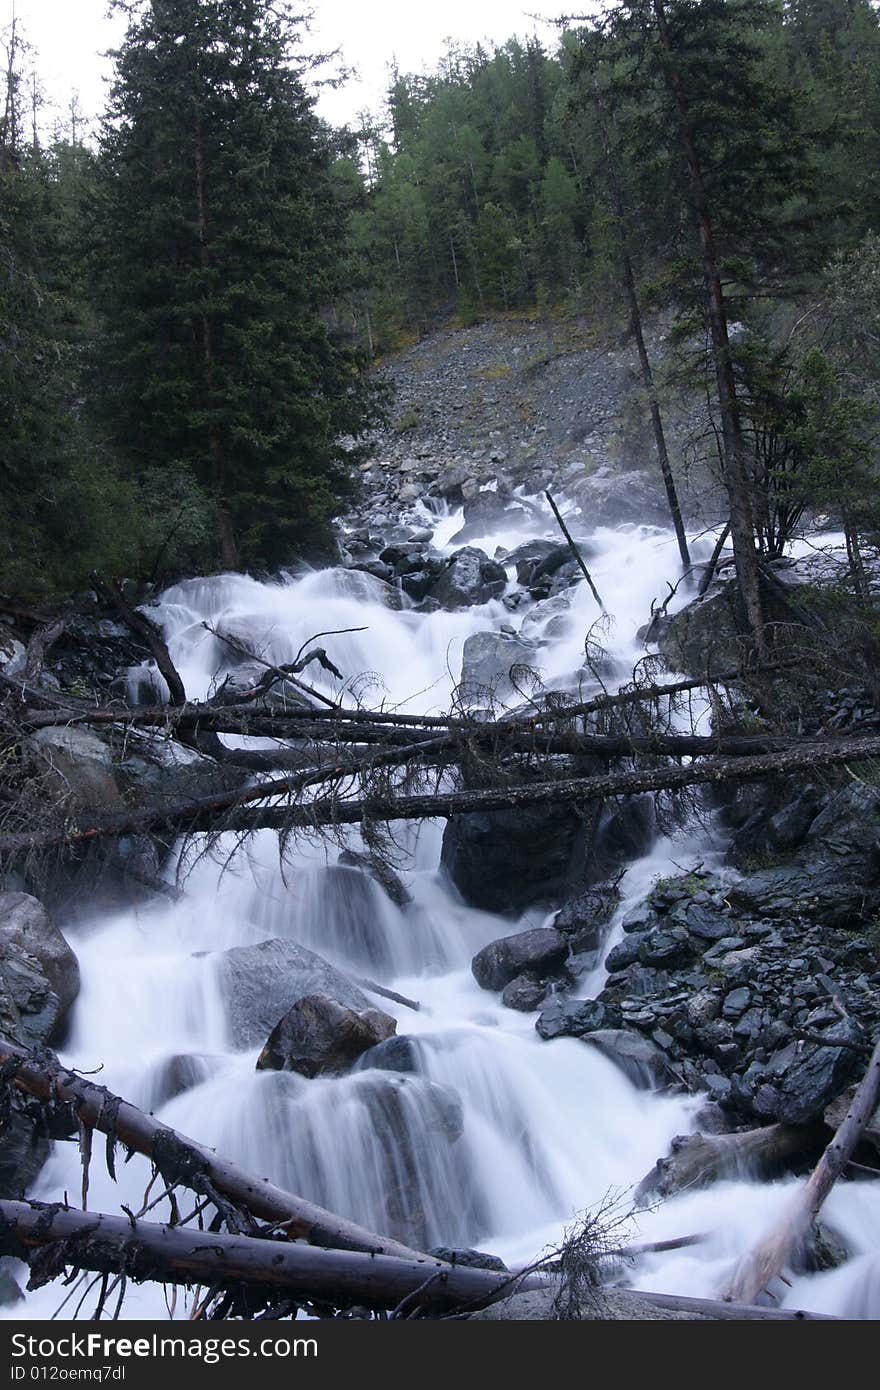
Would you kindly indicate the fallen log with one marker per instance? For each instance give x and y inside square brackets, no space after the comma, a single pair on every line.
[149,634]
[783,1242]
[181,1159]
[170,1254]
[578,557]
[202,814]
[696,1160]
[145,1250]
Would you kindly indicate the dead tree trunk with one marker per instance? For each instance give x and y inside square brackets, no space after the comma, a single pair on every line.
[179,1158]
[782,1243]
[695,1160]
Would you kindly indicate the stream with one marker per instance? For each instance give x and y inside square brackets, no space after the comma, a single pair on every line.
[548,1129]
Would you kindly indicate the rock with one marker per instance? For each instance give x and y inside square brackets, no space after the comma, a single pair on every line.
[173,1076]
[526,993]
[397,1053]
[319,1037]
[488,667]
[540,951]
[809,1083]
[24,1148]
[614,499]
[13,655]
[506,861]
[627,952]
[710,629]
[260,983]
[26,924]
[584,919]
[573,1018]
[469,578]
[77,767]
[644,1062]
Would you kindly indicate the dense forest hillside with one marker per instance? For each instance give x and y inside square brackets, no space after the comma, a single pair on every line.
[191,301]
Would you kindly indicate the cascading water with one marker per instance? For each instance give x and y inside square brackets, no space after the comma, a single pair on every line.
[493,1137]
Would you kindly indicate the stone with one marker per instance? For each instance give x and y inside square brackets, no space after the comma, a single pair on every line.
[489,667]
[641,1060]
[469,578]
[584,919]
[397,1053]
[260,983]
[507,861]
[541,951]
[320,1037]
[525,993]
[77,767]
[572,1018]
[814,1079]
[25,923]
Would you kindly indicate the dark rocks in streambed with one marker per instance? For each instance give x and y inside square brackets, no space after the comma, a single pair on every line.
[260,983]
[542,952]
[27,930]
[468,578]
[383,874]
[494,666]
[573,1018]
[646,1065]
[801,1080]
[584,920]
[320,1037]
[525,993]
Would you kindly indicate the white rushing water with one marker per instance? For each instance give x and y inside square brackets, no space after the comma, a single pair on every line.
[549,1129]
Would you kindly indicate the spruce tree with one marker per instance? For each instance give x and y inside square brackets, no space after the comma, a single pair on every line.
[219,240]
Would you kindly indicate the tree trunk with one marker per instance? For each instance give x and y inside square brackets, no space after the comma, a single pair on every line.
[742,529]
[629,284]
[187,1161]
[696,1160]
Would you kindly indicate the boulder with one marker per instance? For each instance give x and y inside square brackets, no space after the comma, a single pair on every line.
[507,861]
[260,983]
[542,951]
[526,993]
[708,630]
[397,1053]
[804,1080]
[609,498]
[488,667]
[25,924]
[584,920]
[77,767]
[469,577]
[320,1037]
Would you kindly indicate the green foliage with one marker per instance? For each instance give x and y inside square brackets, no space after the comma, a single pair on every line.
[219,228]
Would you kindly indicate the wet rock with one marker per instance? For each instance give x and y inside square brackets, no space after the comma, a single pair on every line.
[384,875]
[260,983]
[494,667]
[573,1018]
[24,1148]
[469,578]
[173,1076]
[526,993]
[506,861]
[397,1053]
[643,1061]
[320,1037]
[627,952]
[25,924]
[584,920]
[710,628]
[812,1081]
[541,951]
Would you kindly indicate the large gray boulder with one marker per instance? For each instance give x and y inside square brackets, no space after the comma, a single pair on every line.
[469,578]
[641,1060]
[542,951]
[803,1081]
[320,1037]
[489,666]
[259,984]
[77,766]
[26,926]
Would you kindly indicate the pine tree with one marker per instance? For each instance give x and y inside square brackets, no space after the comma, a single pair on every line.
[219,242]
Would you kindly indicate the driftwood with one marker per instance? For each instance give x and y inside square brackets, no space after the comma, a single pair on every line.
[146,1251]
[149,635]
[181,1159]
[202,814]
[783,1242]
[695,1160]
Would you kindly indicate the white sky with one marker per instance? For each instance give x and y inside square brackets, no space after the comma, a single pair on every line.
[69,35]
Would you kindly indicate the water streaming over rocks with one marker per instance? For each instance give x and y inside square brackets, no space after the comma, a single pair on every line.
[474,1132]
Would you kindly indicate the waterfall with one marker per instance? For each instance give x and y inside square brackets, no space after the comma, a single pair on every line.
[493,1138]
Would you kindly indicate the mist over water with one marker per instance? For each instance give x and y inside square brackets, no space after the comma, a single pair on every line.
[497,1139]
